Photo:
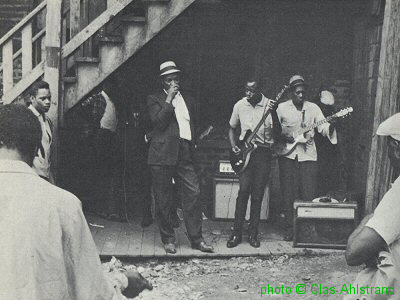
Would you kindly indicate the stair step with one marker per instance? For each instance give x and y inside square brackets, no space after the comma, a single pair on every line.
[133,19]
[94,60]
[111,39]
[69,79]
[144,1]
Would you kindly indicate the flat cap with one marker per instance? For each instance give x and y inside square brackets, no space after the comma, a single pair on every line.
[391,126]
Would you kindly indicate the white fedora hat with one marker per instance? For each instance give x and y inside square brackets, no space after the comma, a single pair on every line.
[168,67]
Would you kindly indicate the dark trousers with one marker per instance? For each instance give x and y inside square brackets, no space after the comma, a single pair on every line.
[298,182]
[188,190]
[252,182]
[106,171]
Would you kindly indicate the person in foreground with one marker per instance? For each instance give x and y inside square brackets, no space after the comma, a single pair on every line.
[47,250]
[380,231]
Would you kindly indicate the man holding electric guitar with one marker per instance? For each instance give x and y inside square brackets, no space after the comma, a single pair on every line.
[252,163]
[296,147]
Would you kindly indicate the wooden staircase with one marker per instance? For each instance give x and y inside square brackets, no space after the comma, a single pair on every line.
[57,39]
[78,70]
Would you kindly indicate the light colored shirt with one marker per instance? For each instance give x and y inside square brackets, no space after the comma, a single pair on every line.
[294,121]
[182,116]
[46,249]
[109,120]
[386,221]
[42,160]
[248,116]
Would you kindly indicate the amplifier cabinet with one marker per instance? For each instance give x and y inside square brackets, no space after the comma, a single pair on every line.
[225,193]
[323,225]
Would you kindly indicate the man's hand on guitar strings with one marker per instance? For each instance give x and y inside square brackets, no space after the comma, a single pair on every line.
[288,138]
[272,104]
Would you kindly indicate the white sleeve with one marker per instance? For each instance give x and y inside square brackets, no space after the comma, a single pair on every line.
[234,121]
[386,218]
[324,128]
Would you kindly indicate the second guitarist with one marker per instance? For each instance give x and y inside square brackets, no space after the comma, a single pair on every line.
[247,113]
[298,169]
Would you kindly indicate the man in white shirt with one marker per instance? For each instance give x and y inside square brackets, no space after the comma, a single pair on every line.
[381,230]
[247,113]
[173,116]
[299,169]
[47,250]
[40,97]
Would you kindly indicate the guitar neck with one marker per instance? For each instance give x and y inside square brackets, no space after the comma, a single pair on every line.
[327,119]
[252,135]
[264,117]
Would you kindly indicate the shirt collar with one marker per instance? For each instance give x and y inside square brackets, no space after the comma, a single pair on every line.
[15,166]
[103,93]
[177,94]
[305,104]
[33,109]
[260,103]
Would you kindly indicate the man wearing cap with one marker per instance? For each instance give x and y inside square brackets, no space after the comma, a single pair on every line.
[381,230]
[299,169]
[170,156]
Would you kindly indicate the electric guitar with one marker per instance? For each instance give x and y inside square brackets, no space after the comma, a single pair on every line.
[284,149]
[239,160]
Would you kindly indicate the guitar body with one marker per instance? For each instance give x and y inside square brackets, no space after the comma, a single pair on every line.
[284,149]
[240,160]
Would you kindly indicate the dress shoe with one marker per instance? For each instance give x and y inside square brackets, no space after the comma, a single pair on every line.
[146,221]
[233,241]
[254,241]
[203,247]
[170,248]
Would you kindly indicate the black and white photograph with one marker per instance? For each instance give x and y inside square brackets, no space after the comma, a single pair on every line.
[199,149]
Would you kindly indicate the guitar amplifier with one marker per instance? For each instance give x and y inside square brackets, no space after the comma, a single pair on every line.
[225,193]
[225,169]
[323,225]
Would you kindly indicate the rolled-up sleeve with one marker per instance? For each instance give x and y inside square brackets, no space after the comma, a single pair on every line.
[324,128]
[386,218]
[234,120]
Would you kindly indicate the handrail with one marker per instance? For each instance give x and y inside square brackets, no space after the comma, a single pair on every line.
[22,23]
[94,26]
[34,39]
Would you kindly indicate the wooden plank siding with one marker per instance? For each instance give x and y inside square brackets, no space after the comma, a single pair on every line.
[386,103]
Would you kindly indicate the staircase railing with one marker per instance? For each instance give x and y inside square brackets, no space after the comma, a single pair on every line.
[30,33]
[78,27]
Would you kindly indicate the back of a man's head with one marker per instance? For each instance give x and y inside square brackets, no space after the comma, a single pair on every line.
[20,131]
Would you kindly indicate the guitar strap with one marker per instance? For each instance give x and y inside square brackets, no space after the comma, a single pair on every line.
[265,127]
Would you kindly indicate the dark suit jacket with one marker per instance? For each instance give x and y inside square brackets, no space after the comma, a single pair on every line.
[164,143]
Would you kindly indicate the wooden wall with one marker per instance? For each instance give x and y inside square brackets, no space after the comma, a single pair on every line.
[366,53]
